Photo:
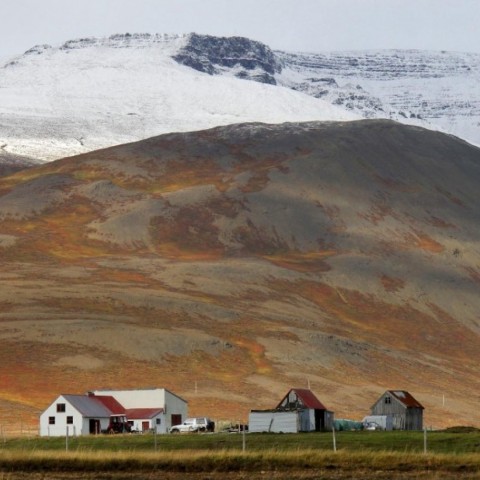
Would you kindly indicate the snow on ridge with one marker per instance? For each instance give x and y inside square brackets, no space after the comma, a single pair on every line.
[61,101]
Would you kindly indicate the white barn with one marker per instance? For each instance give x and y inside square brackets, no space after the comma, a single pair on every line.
[174,410]
[80,415]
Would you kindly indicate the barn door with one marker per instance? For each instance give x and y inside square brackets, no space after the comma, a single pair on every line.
[94,426]
[145,426]
[176,419]
[319,421]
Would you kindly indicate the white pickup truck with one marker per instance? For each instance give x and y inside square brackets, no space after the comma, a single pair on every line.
[198,424]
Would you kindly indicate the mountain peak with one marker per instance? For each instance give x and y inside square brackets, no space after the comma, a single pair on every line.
[244,58]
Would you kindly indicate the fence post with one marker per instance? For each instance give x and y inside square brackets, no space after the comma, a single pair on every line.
[424,440]
[334,439]
[244,445]
[66,440]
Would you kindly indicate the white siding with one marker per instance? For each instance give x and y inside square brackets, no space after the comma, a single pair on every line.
[137,424]
[59,428]
[148,398]
[174,406]
[286,422]
[80,425]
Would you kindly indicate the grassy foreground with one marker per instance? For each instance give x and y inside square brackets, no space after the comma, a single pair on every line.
[372,455]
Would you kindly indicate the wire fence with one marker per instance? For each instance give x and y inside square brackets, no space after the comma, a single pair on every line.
[11,430]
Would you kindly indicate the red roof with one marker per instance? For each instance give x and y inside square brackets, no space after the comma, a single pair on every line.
[140,413]
[306,397]
[405,398]
[110,403]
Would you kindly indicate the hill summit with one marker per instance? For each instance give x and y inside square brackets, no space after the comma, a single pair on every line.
[247,259]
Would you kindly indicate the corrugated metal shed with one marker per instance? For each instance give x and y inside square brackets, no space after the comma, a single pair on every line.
[273,421]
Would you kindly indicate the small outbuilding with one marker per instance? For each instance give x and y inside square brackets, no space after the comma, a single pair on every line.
[146,420]
[299,411]
[402,410]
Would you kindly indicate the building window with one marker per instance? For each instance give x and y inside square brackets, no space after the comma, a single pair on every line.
[69,420]
[388,400]
[60,407]
[51,420]
[158,421]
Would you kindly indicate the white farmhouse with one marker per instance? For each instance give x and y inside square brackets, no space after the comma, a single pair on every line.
[174,409]
[81,415]
[155,409]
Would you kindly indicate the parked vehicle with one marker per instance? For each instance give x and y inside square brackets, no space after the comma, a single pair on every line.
[197,424]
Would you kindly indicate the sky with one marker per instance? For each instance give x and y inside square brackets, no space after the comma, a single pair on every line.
[292,25]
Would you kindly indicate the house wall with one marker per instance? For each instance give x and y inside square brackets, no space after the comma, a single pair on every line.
[80,426]
[174,406]
[148,398]
[137,424]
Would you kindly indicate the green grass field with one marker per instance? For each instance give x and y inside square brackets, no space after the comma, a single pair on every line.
[392,455]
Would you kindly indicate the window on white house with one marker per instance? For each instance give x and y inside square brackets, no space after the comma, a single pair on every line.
[158,421]
[60,407]
[51,420]
[69,420]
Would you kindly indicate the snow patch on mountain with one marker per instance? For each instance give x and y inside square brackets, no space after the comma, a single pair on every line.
[440,90]
[92,93]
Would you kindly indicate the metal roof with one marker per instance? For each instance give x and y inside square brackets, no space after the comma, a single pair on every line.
[140,413]
[111,403]
[87,406]
[405,398]
[306,397]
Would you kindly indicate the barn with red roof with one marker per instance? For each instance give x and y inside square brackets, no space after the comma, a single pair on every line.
[299,411]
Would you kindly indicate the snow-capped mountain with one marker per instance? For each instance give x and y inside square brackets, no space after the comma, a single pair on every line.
[93,93]
[438,90]
[96,92]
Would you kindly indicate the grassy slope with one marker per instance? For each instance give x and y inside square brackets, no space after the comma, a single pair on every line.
[277,317]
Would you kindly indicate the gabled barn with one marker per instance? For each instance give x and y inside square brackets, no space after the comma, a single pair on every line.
[299,411]
[406,413]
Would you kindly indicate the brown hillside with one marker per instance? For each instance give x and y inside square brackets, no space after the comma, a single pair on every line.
[232,264]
